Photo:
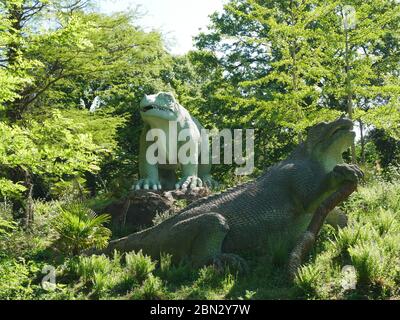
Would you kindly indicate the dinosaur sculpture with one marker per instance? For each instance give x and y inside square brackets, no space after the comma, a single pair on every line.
[247,218]
[157,112]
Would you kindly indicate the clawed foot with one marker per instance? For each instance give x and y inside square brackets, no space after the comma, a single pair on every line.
[189,182]
[348,172]
[147,184]
[209,181]
[232,261]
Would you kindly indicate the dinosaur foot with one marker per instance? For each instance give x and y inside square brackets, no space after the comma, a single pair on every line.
[147,184]
[348,172]
[209,182]
[191,182]
[231,261]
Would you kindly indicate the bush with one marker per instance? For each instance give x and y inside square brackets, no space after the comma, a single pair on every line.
[151,289]
[6,228]
[16,279]
[306,280]
[367,260]
[86,267]
[7,224]
[139,266]
[79,228]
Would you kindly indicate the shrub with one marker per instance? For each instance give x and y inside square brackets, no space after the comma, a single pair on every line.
[162,216]
[139,266]
[370,244]
[6,227]
[16,279]
[174,273]
[79,228]
[151,289]
[306,280]
[87,267]
[367,260]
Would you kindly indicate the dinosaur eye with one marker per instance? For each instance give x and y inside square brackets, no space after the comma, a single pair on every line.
[169,98]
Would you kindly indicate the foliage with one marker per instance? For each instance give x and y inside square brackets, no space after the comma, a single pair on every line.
[79,229]
[52,148]
[15,279]
[139,265]
[370,245]
[6,227]
[288,64]
[71,80]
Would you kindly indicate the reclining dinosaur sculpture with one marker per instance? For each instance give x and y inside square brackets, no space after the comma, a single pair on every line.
[243,219]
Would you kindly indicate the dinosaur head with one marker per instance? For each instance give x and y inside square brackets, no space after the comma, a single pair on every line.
[161,106]
[326,141]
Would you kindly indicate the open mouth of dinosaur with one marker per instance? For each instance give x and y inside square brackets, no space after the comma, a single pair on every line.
[154,107]
[342,129]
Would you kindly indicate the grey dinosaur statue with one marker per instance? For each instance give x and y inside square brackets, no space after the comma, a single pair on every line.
[157,112]
[243,219]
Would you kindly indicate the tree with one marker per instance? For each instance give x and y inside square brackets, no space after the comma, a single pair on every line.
[366,74]
[19,34]
[12,66]
[53,149]
[272,55]
[76,58]
[293,63]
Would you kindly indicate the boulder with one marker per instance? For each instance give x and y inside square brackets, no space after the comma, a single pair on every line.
[139,208]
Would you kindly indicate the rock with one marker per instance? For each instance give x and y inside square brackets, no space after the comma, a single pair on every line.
[139,208]
[337,218]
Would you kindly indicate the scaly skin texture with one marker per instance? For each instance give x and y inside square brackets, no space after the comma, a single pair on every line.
[246,218]
[157,112]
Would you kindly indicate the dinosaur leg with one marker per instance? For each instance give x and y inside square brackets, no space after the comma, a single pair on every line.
[205,175]
[168,178]
[190,178]
[210,233]
[148,172]
[205,233]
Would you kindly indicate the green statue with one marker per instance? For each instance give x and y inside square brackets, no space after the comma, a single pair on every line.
[161,112]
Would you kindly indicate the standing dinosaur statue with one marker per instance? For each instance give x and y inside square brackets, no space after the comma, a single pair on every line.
[247,218]
[158,111]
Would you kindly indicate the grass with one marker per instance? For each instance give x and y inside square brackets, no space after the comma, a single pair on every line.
[370,244]
[360,261]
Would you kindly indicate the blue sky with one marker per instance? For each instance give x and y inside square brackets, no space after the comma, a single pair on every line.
[178,20]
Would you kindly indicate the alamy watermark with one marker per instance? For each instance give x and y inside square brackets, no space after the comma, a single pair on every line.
[349,279]
[186,146]
[49,280]
[349,17]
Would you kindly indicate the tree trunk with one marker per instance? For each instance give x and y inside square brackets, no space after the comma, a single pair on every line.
[362,141]
[349,90]
[28,219]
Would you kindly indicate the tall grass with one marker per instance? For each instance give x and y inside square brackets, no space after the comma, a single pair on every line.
[370,244]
